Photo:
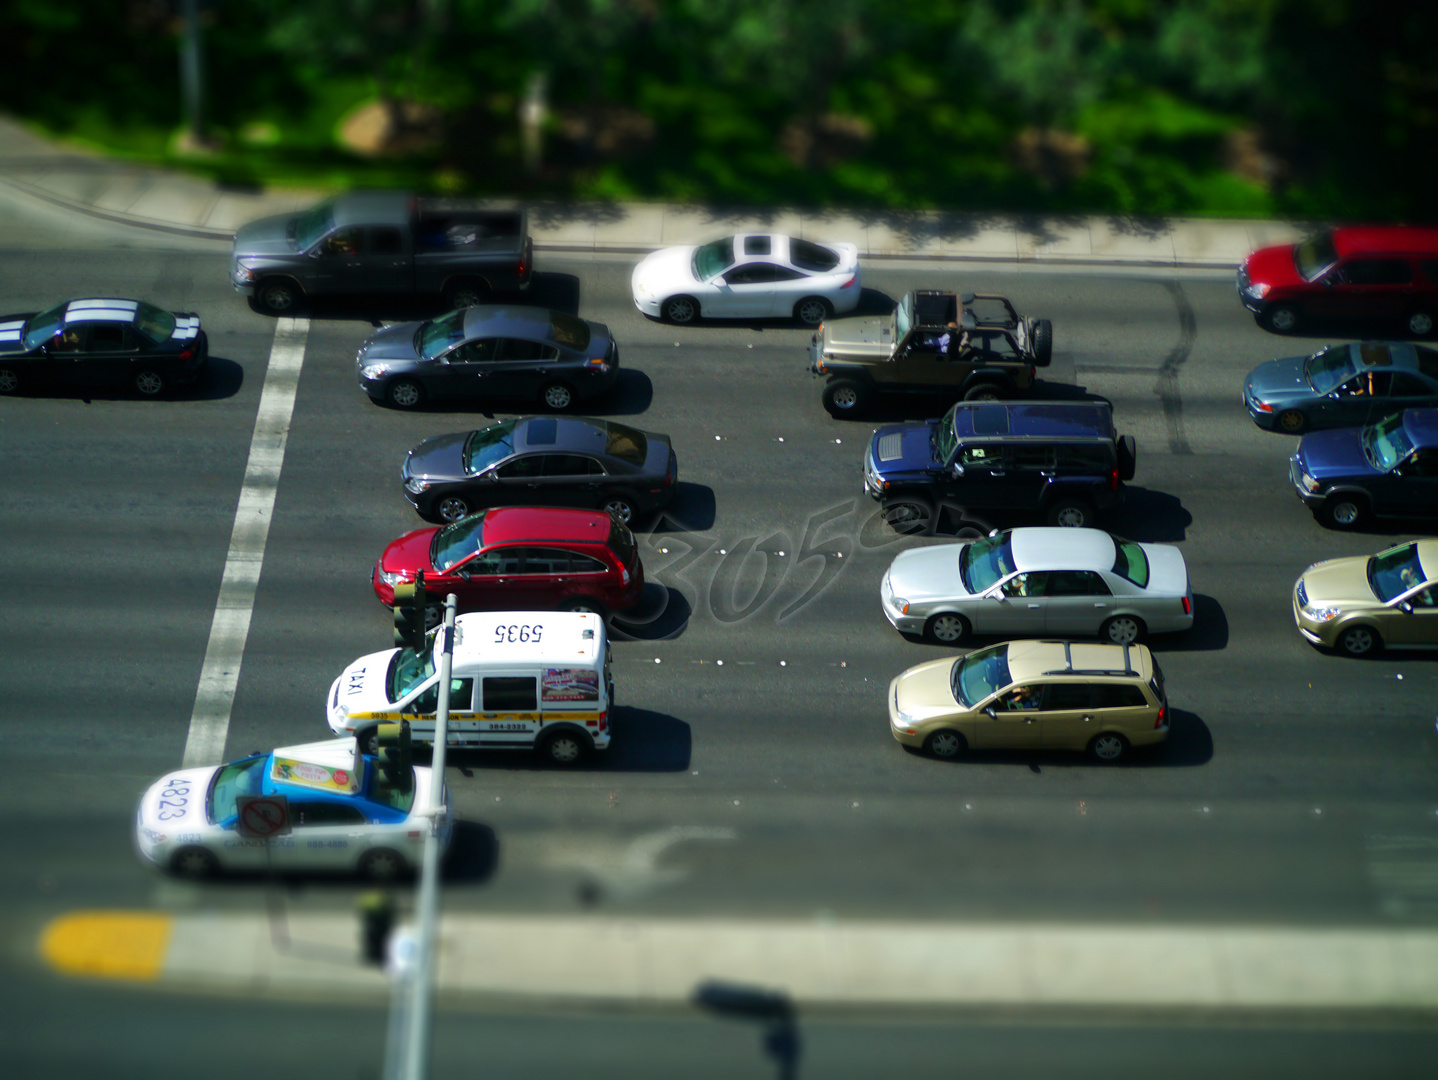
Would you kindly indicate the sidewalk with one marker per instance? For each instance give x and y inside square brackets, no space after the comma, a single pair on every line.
[172,202]
[662,961]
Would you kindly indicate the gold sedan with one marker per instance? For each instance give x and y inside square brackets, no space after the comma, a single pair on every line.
[1359,605]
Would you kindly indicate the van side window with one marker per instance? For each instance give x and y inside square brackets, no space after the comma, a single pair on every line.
[509,693]
[461,693]
[1118,696]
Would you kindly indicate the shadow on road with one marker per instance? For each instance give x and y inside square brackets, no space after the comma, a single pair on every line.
[1149,516]
[662,614]
[693,510]
[1209,631]
[643,741]
[557,291]
[1189,744]
[473,854]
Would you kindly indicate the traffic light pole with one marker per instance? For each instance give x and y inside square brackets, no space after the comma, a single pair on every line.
[411,1059]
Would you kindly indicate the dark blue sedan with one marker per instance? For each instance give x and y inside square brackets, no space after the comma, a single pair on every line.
[1341,385]
[1386,469]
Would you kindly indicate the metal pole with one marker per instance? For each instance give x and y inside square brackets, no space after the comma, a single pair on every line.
[190,73]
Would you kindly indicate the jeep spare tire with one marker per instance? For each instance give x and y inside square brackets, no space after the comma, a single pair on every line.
[1127,457]
[1043,342]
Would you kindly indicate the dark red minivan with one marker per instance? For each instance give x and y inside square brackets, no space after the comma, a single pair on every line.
[1376,272]
[521,558]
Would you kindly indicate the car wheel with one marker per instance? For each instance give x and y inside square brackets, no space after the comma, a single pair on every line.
[1292,421]
[194,863]
[1360,641]
[463,294]
[812,310]
[452,508]
[945,744]
[946,628]
[1281,319]
[369,742]
[1108,747]
[1123,630]
[279,295]
[568,746]
[1043,342]
[9,380]
[1070,513]
[914,517]
[680,309]
[404,394]
[1127,457]
[984,392]
[1420,324]
[621,507]
[149,382]
[433,615]
[557,396]
[583,603]
[845,397]
[382,864]
[1344,512]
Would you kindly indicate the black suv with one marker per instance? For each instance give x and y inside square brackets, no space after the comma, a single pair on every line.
[1062,458]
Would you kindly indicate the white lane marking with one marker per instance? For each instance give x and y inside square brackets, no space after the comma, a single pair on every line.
[210,720]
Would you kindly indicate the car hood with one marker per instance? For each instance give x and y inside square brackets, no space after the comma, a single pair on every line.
[904,447]
[928,573]
[1273,266]
[662,272]
[440,457]
[361,687]
[1333,454]
[1338,581]
[1167,572]
[11,329]
[267,236]
[1279,380]
[925,690]
[186,818]
[391,343]
[861,338]
[410,552]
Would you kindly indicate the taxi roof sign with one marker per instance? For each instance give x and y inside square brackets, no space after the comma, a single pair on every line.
[541,638]
[328,766]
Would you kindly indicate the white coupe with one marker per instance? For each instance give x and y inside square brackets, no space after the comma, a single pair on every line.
[754,275]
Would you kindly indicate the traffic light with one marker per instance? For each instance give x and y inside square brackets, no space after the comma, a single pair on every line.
[409,605]
[396,755]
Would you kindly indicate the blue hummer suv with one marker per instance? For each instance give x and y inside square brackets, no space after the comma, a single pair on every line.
[1063,459]
[1387,469]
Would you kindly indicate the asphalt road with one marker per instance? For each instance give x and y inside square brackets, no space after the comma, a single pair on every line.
[1297,787]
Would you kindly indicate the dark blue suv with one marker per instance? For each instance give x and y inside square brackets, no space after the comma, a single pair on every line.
[1063,459]
[1387,469]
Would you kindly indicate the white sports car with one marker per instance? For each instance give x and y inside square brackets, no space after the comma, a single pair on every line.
[345,813]
[755,275]
[1039,582]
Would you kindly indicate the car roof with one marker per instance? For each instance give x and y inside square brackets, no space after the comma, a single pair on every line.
[508,320]
[564,638]
[1421,426]
[1381,239]
[1061,549]
[573,433]
[1033,419]
[372,208]
[1392,355]
[1029,660]
[101,309]
[514,524]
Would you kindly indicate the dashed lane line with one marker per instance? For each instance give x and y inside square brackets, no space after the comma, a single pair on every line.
[215,696]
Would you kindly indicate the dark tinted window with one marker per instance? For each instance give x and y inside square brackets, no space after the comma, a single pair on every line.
[1376,272]
[570,465]
[812,257]
[344,241]
[753,274]
[307,814]
[621,542]
[385,240]
[1030,584]
[522,468]
[539,560]
[626,443]
[505,560]
[1427,361]
[783,273]
[1033,457]
[757,245]
[1059,696]
[1423,463]
[1117,696]
[1405,385]
[72,339]
[1430,269]
[583,564]
[474,352]
[105,336]
[519,349]
[508,693]
[1076,583]
[1085,459]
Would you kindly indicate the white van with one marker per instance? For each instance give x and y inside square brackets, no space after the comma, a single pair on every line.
[520,679]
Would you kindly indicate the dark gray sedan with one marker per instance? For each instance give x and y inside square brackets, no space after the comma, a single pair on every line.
[542,461]
[491,352]
[1342,386]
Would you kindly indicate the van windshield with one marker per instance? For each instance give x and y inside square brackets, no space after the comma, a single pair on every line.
[407,670]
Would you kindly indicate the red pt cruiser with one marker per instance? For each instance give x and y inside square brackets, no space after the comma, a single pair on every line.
[519,558]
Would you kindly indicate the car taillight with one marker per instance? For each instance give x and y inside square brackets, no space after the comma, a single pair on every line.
[598,362]
[1162,721]
[1113,480]
[849,282]
[1187,606]
[187,354]
[604,721]
[519,269]
[624,574]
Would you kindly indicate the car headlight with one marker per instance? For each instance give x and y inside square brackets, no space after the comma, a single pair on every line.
[153,836]
[340,711]
[1256,290]
[415,486]
[1322,614]
[243,272]
[374,371]
[900,603]
[905,719]
[394,577]
[1309,484]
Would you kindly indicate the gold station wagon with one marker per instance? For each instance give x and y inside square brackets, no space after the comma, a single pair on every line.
[1360,604]
[1030,695]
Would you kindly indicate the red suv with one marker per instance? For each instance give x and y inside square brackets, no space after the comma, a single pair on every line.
[521,558]
[1367,272]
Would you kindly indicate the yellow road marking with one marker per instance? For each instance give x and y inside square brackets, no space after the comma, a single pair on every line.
[108,944]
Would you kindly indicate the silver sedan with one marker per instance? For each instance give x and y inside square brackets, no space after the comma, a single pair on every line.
[1039,582]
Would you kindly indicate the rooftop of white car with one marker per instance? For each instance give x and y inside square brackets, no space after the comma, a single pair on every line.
[1061,549]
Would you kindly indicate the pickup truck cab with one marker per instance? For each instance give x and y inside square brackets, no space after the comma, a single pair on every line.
[387,243]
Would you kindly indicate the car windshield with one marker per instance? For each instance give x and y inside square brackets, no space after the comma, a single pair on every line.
[433,337]
[626,443]
[230,782]
[155,323]
[313,224]
[1386,443]
[488,446]
[1315,255]
[903,318]
[1328,367]
[711,259]
[1393,572]
[407,670]
[986,562]
[44,326]
[1130,562]
[457,542]
[976,676]
[568,331]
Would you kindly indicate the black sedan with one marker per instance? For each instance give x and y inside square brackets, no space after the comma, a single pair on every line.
[494,351]
[100,341]
[542,461]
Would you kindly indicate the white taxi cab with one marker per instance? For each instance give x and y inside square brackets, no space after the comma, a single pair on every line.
[519,680]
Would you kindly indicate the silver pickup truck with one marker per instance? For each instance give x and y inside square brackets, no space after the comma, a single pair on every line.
[387,243]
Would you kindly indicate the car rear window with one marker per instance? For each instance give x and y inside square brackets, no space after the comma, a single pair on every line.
[626,443]
[1130,563]
[621,542]
[155,323]
[811,257]
[567,330]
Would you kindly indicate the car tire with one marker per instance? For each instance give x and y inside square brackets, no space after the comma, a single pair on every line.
[149,383]
[557,396]
[451,508]
[1123,630]
[369,741]
[945,744]
[279,295]
[567,746]
[1420,324]
[1043,342]
[1126,450]
[433,615]
[1359,641]
[845,397]
[467,293]
[621,506]
[946,628]
[812,310]
[584,603]
[383,864]
[404,394]
[1344,511]
[1071,513]
[1291,422]
[194,864]
[9,380]
[1108,747]
[680,309]
[909,515]
[985,391]
[1281,319]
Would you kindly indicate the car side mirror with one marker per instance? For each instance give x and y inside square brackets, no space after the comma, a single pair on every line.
[956,470]
[718,279]
[995,593]
[492,476]
[990,712]
[1406,608]
[463,575]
